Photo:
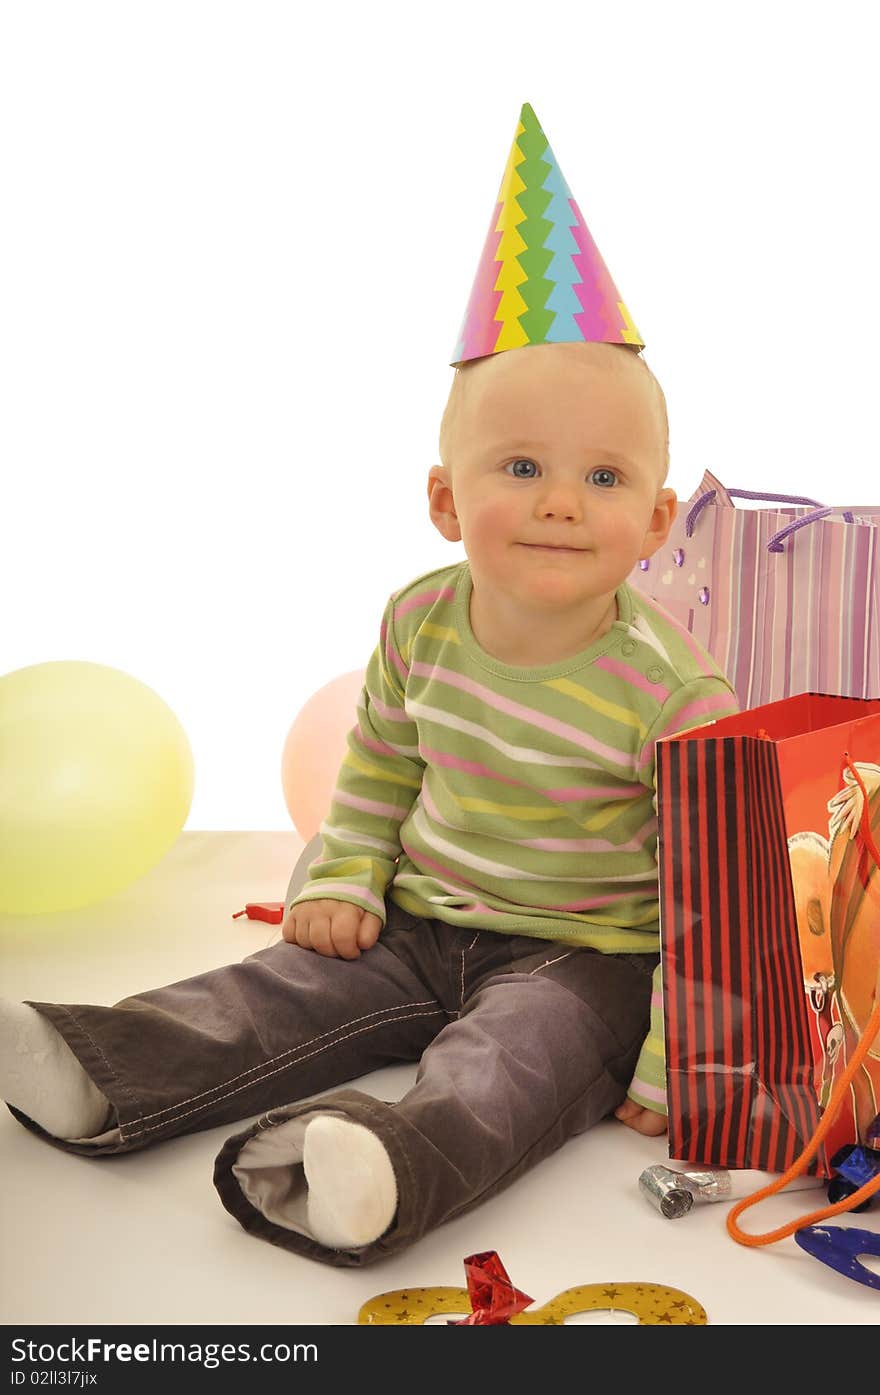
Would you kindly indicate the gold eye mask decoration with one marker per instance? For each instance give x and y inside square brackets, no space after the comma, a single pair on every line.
[491,1300]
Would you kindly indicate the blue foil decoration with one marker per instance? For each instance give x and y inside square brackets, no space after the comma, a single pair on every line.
[840,1248]
[854,1166]
[857,1164]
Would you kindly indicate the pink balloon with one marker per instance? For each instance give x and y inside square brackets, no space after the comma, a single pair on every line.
[314,749]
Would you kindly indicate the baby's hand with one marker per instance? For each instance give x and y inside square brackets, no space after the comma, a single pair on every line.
[336,929]
[646,1121]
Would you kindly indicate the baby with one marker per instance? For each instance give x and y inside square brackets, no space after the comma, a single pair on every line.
[486,897]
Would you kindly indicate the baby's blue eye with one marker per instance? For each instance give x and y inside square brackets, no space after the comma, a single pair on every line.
[524,469]
[604,477]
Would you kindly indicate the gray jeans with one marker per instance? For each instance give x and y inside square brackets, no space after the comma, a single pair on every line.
[521,1044]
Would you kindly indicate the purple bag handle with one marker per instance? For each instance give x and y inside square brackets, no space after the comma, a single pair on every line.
[707,498]
[775,543]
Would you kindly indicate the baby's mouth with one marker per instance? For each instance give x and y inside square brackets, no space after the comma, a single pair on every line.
[552,547]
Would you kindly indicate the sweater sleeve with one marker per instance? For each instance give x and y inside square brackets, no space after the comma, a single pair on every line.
[378,783]
[695,704]
[648,1085]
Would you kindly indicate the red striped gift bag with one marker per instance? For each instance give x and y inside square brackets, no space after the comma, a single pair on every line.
[763,590]
[769,824]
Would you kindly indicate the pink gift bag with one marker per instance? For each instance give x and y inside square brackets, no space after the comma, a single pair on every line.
[785,597]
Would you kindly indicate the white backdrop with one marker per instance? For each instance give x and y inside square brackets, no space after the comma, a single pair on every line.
[236,245]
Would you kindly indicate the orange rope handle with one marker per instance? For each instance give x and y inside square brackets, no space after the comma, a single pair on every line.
[800,1163]
[838,1094]
[865,822]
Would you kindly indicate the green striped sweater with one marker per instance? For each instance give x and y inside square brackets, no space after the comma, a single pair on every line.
[512,799]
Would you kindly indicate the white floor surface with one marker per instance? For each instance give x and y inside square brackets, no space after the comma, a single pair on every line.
[143,1238]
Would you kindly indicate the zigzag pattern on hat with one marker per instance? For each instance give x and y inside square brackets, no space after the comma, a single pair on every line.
[541,278]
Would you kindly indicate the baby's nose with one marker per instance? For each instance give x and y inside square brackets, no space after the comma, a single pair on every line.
[560,502]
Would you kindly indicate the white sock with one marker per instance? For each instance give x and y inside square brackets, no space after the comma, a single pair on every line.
[352,1195]
[40,1075]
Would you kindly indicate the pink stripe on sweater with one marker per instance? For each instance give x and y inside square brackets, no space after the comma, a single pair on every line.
[419,860]
[693,714]
[473,905]
[592,903]
[391,653]
[591,845]
[331,890]
[367,806]
[561,845]
[471,767]
[379,747]
[391,714]
[567,795]
[650,1092]
[531,715]
[632,676]
[445,593]
[559,796]
[719,705]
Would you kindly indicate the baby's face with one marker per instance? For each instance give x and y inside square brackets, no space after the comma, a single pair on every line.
[555,466]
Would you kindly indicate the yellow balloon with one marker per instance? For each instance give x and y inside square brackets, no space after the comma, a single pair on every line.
[96,782]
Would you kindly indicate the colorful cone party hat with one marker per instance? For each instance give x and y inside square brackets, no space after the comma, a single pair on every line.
[541,279]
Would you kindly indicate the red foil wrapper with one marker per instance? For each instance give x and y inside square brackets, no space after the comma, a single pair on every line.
[494,1300]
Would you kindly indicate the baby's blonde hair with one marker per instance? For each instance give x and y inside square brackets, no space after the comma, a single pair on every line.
[456,390]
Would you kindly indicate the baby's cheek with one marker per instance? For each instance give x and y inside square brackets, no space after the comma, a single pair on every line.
[618,529]
[492,524]
[481,532]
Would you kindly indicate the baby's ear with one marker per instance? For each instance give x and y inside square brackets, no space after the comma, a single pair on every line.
[441,504]
[662,519]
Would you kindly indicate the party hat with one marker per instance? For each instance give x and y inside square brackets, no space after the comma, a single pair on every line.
[541,278]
